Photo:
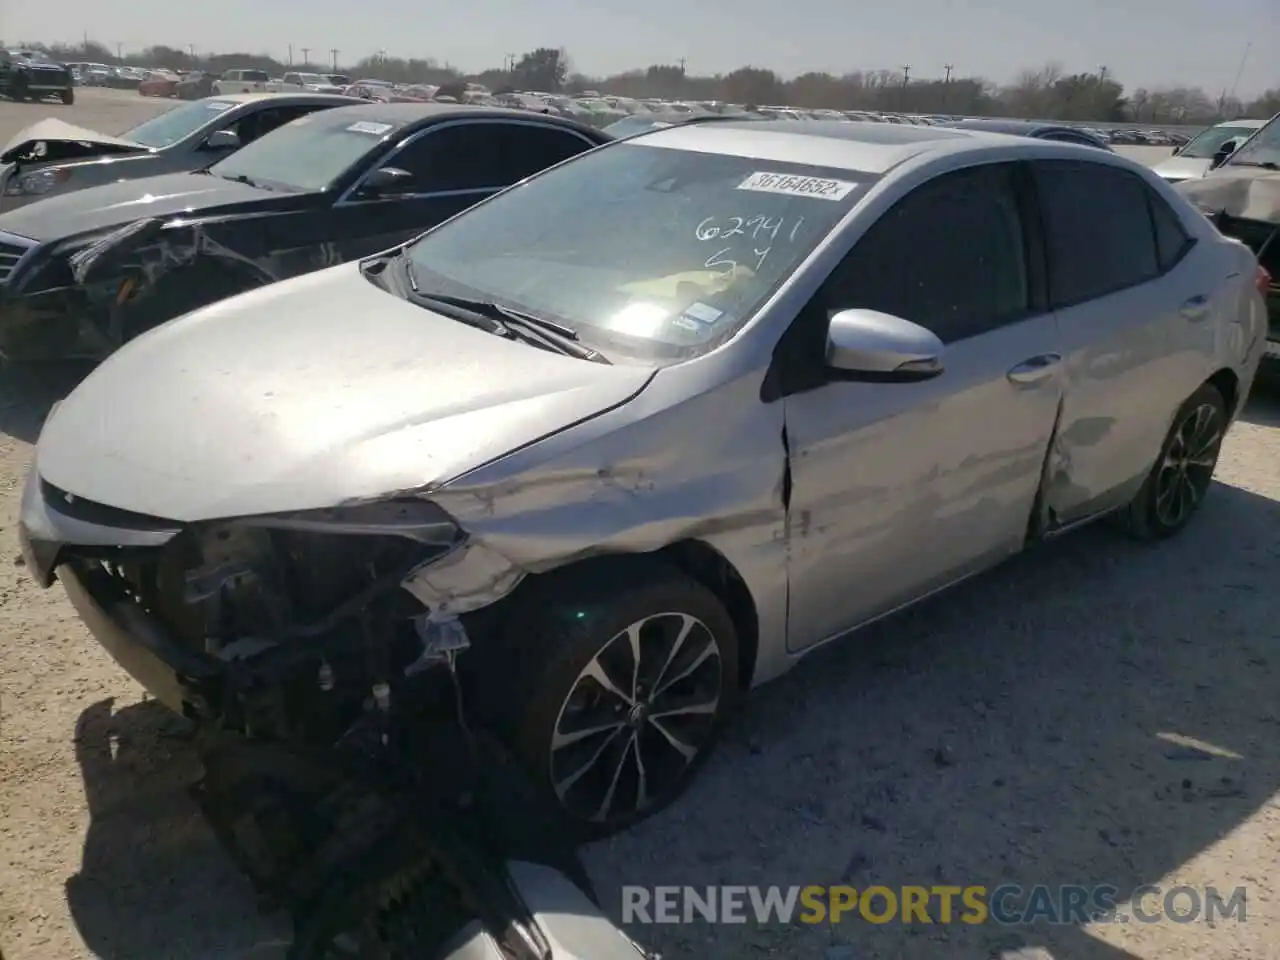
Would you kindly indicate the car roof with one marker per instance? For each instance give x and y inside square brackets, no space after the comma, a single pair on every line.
[1023,128]
[1243,122]
[415,112]
[298,96]
[853,145]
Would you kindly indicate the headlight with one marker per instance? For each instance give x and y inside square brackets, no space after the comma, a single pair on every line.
[413,519]
[36,183]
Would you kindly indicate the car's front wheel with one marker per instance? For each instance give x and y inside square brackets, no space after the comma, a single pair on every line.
[616,682]
[68,96]
[1182,474]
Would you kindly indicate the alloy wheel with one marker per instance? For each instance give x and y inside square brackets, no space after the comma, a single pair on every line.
[1188,465]
[636,717]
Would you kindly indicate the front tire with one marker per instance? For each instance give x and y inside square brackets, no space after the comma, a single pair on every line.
[615,684]
[68,97]
[1182,474]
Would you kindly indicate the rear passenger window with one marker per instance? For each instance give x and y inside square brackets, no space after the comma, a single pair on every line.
[1098,229]
[1172,239]
[949,256]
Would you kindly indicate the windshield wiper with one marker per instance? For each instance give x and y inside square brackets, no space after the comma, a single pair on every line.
[1264,164]
[505,321]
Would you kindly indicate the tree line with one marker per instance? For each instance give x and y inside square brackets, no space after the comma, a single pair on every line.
[1047,93]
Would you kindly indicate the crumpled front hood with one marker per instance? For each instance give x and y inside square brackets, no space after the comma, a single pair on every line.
[306,394]
[1182,168]
[1251,193]
[52,131]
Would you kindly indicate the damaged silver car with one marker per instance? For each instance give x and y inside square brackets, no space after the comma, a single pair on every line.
[1241,197]
[615,445]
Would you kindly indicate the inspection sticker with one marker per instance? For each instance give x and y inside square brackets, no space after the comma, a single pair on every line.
[217,106]
[702,313]
[364,126]
[762,181]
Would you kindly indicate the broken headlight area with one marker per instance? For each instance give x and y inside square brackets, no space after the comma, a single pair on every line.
[304,615]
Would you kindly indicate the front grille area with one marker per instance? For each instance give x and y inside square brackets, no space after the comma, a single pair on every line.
[12,250]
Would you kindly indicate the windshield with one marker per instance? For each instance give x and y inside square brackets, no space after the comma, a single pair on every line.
[1262,147]
[313,78]
[645,251]
[176,124]
[308,154]
[1206,144]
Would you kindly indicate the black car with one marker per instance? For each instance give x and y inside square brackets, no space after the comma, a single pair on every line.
[83,272]
[1031,128]
[30,74]
[194,85]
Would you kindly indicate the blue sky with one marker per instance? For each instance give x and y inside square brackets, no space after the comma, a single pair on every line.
[1142,42]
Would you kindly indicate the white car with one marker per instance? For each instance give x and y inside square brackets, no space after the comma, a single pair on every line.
[242,81]
[1195,158]
[303,83]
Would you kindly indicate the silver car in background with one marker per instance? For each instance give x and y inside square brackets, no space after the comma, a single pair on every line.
[53,157]
[636,434]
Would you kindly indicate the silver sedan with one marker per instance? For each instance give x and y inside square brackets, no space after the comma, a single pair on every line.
[52,157]
[636,434]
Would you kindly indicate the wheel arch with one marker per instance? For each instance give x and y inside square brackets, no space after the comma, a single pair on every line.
[1227,382]
[694,558]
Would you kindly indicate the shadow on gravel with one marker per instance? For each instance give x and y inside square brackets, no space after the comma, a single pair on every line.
[1036,726]
[1263,407]
[153,884]
[28,391]
[1026,728]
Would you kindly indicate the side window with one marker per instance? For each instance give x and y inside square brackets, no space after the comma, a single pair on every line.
[1172,239]
[950,256]
[252,126]
[484,155]
[1098,229]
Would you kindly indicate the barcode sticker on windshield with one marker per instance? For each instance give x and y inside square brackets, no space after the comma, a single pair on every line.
[364,126]
[218,105]
[762,181]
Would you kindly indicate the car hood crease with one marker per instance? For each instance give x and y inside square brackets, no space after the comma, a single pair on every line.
[116,204]
[309,394]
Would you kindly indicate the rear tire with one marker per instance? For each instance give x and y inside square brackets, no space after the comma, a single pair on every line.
[1183,472]
[567,666]
[68,97]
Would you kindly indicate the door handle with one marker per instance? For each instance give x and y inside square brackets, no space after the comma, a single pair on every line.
[1195,308]
[1034,369]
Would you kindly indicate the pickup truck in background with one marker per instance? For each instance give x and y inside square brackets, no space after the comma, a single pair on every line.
[32,75]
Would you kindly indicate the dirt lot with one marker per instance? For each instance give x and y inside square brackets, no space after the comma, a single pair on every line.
[1031,727]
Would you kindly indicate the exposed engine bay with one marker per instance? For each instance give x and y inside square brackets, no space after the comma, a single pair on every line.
[343,772]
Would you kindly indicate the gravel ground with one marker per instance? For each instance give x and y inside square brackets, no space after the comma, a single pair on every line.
[1029,727]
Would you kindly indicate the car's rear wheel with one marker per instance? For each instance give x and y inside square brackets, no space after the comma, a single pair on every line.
[1183,473]
[68,96]
[615,684]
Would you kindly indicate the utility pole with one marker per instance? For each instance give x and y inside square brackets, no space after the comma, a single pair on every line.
[291,54]
[306,56]
[682,61]
[1102,74]
[119,50]
[191,49]
[947,67]
[906,74]
[334,52]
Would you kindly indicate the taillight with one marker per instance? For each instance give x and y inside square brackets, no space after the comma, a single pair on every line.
[1263,280]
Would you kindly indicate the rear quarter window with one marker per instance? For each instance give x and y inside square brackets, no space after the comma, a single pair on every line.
[1099,230]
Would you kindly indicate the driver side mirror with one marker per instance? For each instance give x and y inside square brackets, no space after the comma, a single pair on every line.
[882,347]
[385,181]
[1177,150]
[222,140]
[1224,151]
